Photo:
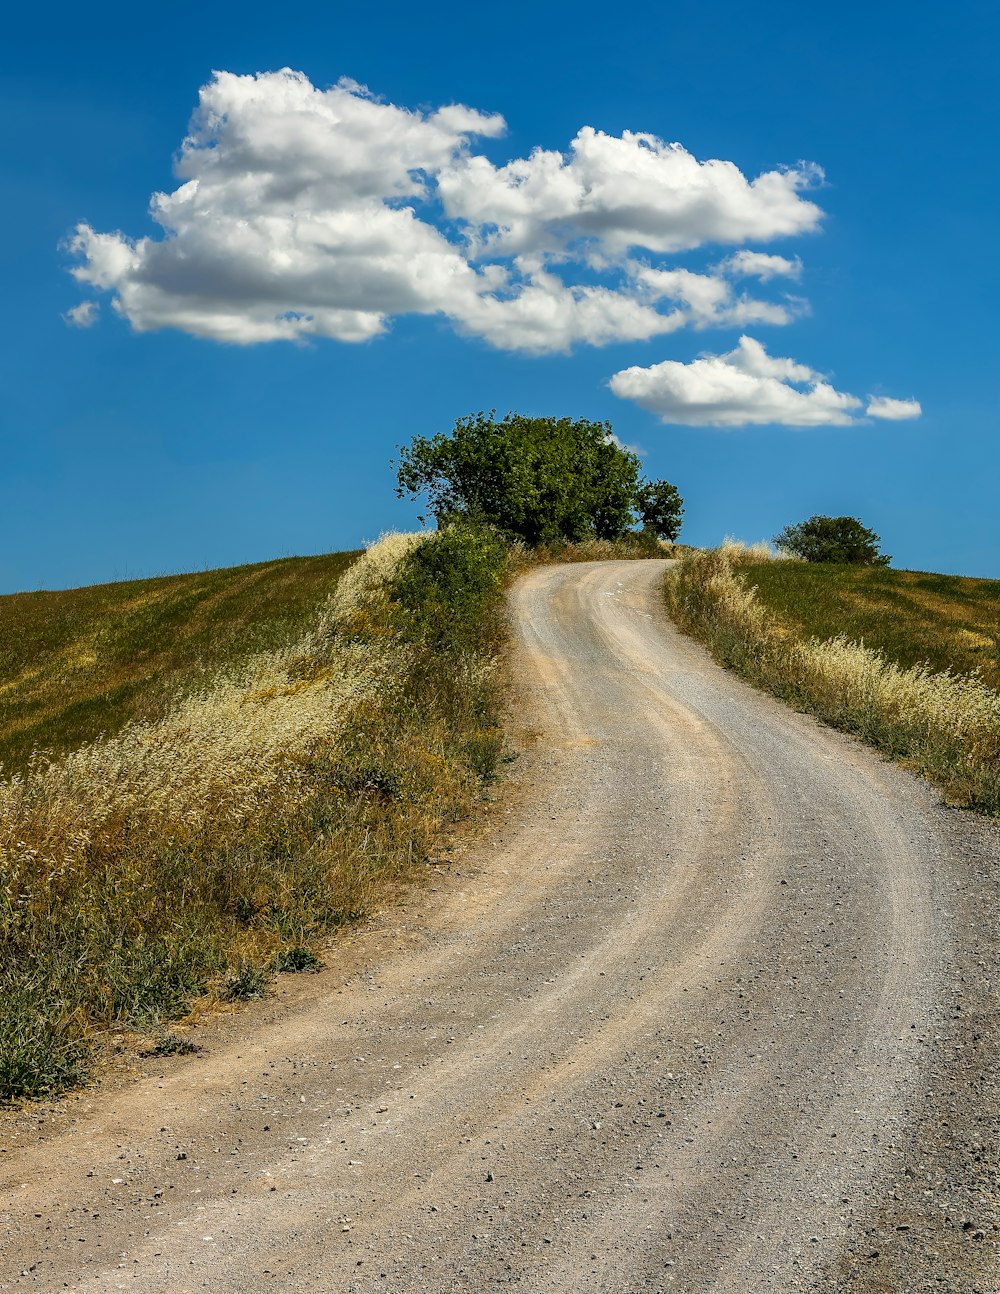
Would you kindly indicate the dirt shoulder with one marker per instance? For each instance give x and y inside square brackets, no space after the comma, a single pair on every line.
[709,1007]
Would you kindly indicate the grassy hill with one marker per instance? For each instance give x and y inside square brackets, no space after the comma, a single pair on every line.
[948,622]
[81,663]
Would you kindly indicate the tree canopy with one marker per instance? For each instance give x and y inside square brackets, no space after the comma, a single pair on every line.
[660,507]
[833,539]
[541,480]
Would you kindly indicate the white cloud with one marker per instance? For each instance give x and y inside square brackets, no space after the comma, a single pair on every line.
[760,265]
[273,275]
[707,301]
[305,212]
[284,226]
[632,191]
[543,314]
[882,406]
[636,449]
[746,387]
[85,315]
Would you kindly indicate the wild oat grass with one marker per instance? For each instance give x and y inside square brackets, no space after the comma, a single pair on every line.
[943,724]
[744,554]
[195,853]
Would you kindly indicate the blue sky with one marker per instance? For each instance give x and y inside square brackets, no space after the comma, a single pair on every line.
[414,265]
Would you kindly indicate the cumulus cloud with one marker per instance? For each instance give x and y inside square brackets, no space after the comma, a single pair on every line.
[882,406]
[306,212]
[288,222]
[707,300]
[85,315]
[746,387]
[632,191]
[760,265]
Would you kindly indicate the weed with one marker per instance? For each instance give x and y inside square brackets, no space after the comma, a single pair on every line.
[247,981]
[295,960]
[40,1052]
[171,1044]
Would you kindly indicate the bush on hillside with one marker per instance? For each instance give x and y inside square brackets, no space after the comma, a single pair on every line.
[448,586]
[660,507]
[833,539]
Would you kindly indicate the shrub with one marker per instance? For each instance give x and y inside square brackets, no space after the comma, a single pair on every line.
[833,539]
[448,588]
[293,961]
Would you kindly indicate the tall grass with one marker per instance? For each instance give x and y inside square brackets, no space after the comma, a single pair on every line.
[944,725]
[191,854]
[635,545]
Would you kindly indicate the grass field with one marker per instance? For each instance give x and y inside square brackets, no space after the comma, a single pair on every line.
[81,663]
[947,622]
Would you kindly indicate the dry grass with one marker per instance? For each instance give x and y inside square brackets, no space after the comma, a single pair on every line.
[191,854]
[942,723]
[636,546]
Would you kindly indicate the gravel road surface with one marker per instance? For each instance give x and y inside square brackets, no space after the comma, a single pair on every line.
[710,1005]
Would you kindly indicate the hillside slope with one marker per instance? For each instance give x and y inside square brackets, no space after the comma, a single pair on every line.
[84,662]
[948,622]
[205,850]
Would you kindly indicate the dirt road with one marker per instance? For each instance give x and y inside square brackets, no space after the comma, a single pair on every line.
[710,1008]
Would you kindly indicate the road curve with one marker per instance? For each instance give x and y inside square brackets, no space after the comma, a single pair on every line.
[677,1023]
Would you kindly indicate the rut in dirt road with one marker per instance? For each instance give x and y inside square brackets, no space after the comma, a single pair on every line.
[669,1029]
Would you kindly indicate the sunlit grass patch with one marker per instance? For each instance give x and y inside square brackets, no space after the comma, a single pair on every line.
[946,622]
[82,663]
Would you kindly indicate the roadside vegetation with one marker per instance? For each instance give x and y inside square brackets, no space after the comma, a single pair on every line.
[198,853]
[948,622]
[906,661]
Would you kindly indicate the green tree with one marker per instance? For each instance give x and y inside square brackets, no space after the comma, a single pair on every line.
[833,539]
[537,479]
[660,506]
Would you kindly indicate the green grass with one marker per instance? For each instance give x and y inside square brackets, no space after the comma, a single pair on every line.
[82,663]
[948,622]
